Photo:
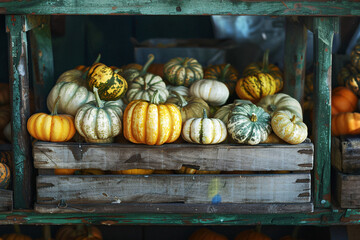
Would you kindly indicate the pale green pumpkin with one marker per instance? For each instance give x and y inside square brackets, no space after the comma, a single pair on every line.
[249,124]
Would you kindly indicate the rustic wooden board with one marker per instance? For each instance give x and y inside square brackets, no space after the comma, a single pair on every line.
[252,188]
[345,153]
[347,190]
[224,157]
[6,200]
[226,208]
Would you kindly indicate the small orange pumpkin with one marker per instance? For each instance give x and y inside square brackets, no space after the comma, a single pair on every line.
[4,176]
[252,234]
[206,234]
[69,232]
[64,171]
[134,171]
[343,100]
[17,235]
[345,123]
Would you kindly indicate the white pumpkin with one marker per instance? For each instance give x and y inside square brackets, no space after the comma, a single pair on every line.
[182,90]
[74,76]
[213,92]
[204,130]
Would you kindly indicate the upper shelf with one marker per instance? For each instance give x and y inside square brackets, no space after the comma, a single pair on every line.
[183,7]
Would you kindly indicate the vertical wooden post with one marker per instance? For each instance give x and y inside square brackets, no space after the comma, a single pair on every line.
[323,28]
[295,58]
[19,86]
[42,59]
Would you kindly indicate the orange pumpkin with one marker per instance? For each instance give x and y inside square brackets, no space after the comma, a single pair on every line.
[206,234]
[343,100]
[151,122]
[251,234]
[4,176]
[92,233]
[64,171]
[345,123]
[51,128]
[74,232]
[135,171]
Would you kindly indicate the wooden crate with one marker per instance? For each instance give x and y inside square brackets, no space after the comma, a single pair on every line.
[222,193]
[345,158]
[6,200]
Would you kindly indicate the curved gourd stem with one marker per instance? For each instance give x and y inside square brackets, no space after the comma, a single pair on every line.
[47,232]
[97,60]
[54,111]
[204,114]
[293,119]
[253,117]
[224,72]
[265,68]
[151,58]
[155,98]
[183,102]
[99,102]
[17,228]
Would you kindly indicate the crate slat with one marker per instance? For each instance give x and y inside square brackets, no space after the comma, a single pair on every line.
[347,190]
[6,200]
[226,208]
[252,188]
[223,157]
[346,153]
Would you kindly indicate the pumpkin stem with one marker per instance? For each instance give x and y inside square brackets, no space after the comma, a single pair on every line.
[99,102]
[293,119]
[204,114]
[266,61]
[183,102]
[145,85]
[155,98]
[224,72]
[54,111]
[97,60]
[151,58]
[47,232]
[17,228]
[253,117]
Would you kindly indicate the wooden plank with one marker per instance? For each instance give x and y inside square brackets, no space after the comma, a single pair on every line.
[324,29]
[348,190]
[192,7]
[267,188]
[224,157]
[346,154]
[226,208]
[6,200]
[19,86]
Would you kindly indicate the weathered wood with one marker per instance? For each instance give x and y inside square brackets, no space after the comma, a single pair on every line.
[324,29]
[19,86]
[194,7]
[226,208]
[116,189]
[345,153]
[172,156]
[6,200]
[347,190]
[295,58]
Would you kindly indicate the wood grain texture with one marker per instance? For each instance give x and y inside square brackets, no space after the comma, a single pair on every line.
[192,7]
[267,188]
[347,190]
[172,156]
[345,153]
[226,208]
[6,200]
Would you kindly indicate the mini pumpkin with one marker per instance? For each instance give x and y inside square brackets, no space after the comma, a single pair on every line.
[249,124]
[350,77]
[289,127]
[64,171]
[343,100]
[345,124]
[224,73]
[73,76]
[53,127]
[134,72]
[206,234]
[251,234]
[70,232]
[204,130]
[4,176]
[99,121]
[183,71]
[189,170]
[182,90]
[135,171]
[152,123]
[211,91]
[223,112]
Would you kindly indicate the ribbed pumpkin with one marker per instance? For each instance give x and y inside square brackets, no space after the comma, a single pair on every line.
[151,122]
[204,130]
[73,76]
[190,107]
[53,127]
[110,84]
[280,101]
[70,232]
[343,100]
[4,176]
[99,121]
[224,73]
[189,170]
[223,112]
[206,234]
[183,71]
[249,124]
[211,91]
[289,127]
[72,97]
[259,80]
[182,90]
[131,73]
[144,87]
[345,124]
[135,171]
[355,56]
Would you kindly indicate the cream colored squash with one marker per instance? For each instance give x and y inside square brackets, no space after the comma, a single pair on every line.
[213,92]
